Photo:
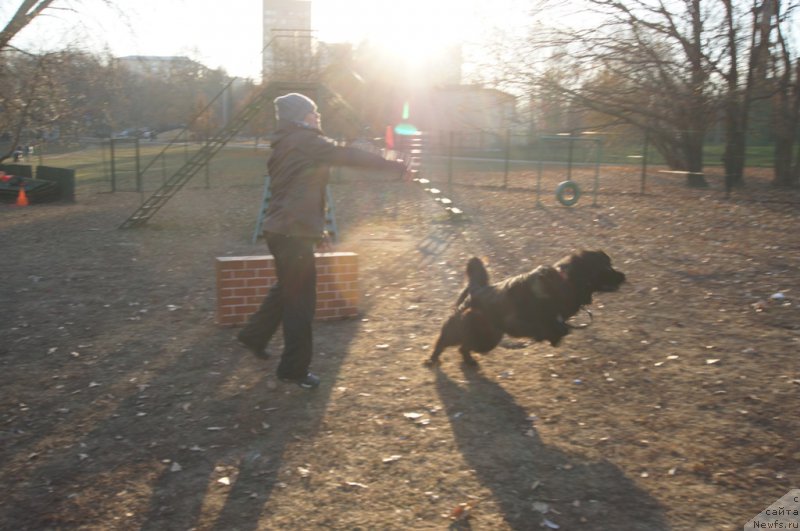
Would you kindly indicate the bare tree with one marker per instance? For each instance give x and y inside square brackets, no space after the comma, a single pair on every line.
[27,11]
[744,77]
[28,78]
[786,104]
[669,69]
[645,63]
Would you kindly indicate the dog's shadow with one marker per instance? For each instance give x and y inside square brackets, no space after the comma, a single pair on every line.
[499,441]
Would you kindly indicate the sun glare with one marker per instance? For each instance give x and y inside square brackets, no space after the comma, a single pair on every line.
[414,30]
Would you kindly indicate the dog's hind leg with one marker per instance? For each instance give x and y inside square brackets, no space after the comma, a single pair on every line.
[437,352]
[450,336]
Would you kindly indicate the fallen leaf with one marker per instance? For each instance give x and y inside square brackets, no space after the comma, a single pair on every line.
[541,507]
[355,484]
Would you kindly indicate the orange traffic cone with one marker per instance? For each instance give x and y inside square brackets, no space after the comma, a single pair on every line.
[22,198]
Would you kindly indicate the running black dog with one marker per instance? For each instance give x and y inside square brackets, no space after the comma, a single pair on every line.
[536,304]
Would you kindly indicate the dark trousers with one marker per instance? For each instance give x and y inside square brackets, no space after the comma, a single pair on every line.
[291,301]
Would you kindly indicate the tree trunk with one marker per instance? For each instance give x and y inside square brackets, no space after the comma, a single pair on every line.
[693,150]
[787,121]
[733,159]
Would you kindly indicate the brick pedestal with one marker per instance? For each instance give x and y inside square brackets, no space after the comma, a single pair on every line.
[243,282]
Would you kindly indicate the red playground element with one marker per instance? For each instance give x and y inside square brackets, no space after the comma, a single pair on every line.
[389,137]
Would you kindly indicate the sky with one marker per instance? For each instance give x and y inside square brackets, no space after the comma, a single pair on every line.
[229,34]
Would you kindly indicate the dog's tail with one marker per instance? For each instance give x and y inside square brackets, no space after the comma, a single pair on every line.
[477,277]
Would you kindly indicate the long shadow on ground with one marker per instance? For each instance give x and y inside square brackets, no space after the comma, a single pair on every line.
[497,439]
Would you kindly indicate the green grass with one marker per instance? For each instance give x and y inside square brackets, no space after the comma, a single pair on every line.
[586,153]
[93,164]
[234,163]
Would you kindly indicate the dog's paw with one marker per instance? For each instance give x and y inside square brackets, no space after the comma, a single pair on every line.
[470,362]
[431,363]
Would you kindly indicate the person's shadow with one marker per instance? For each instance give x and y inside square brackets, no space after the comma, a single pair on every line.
[500,442]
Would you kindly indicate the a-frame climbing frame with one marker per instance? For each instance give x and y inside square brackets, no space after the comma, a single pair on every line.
[196,162]
[204,155]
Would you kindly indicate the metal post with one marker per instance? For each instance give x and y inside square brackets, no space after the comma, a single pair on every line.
[113,165]
[450,160]
[644,159]
[138,168]
[599,145]
[569,161]
[508,156]
[539,176]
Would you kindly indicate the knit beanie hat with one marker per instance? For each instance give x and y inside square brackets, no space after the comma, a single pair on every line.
[293,107]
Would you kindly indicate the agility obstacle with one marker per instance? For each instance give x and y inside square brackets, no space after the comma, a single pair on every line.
[568,192]
[410,143]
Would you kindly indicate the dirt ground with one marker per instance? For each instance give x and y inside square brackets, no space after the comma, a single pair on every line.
[124,406]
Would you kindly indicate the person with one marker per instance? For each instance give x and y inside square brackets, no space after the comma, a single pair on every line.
[294,223]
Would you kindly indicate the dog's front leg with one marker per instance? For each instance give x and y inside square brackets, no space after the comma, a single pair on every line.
[467,356]
[558,330]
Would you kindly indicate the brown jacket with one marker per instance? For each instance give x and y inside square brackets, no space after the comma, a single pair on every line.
[299,169]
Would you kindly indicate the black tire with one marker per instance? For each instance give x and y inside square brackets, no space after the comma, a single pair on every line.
[568,193]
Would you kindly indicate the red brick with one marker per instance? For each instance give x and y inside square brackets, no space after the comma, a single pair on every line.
[243,282]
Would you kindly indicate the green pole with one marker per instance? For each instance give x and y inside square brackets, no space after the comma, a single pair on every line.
[138,167]
[644,158]
[599,144]
[113,165]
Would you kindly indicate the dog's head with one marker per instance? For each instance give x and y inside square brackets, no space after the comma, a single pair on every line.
[589,272]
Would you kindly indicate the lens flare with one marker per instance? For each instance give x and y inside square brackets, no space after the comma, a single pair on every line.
[406,129]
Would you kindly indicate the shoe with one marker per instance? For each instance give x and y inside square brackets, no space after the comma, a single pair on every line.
[257,351]
[309,381]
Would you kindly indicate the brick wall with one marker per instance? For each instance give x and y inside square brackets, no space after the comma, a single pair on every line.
[243,282]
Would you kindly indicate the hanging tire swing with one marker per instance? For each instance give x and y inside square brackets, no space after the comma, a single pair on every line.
[568,193]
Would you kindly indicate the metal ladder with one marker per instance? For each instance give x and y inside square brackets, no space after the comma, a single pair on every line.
[197,161]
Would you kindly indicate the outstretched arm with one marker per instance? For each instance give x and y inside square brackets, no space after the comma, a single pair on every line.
[326,151]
